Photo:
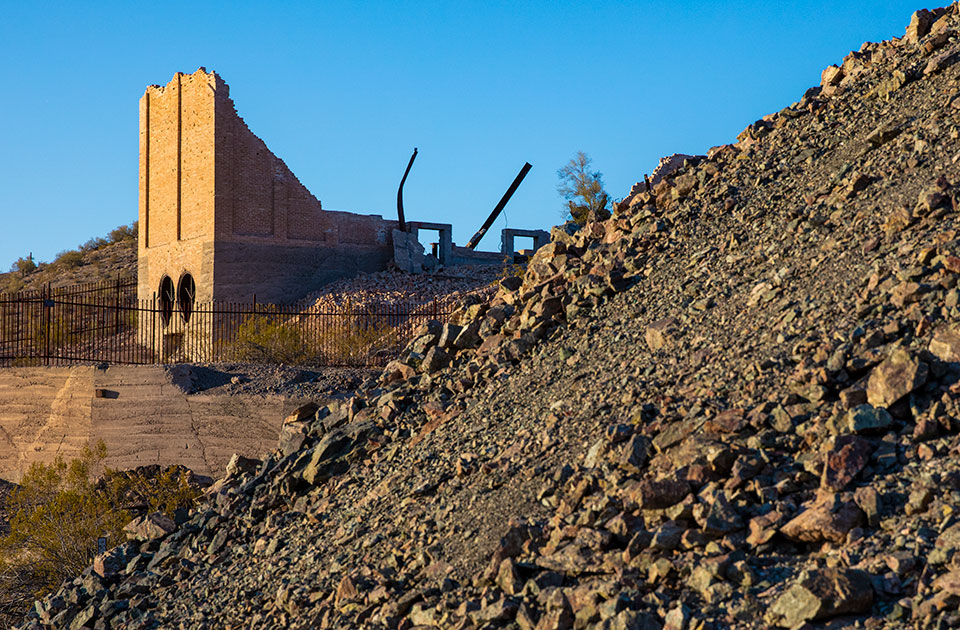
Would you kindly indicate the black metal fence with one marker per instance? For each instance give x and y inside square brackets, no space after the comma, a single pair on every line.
[106,323]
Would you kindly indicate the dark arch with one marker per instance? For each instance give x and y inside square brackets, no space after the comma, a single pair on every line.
[186,296]
[166,299]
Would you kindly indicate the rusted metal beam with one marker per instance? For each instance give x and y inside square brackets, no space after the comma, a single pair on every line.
[403,224]
[472,244]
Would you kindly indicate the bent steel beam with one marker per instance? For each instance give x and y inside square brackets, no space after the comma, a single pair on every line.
[403,224]
[472,244]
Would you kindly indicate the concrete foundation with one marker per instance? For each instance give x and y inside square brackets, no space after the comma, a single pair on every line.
[142,417]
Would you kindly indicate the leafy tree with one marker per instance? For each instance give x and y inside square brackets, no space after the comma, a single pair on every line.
[583,190]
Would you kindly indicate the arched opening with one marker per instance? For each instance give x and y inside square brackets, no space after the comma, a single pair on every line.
[186,295]
[166,299]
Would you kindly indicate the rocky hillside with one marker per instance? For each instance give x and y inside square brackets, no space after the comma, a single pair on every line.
[733,404]
[98,260]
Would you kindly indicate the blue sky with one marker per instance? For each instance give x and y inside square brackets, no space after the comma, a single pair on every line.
[343,91]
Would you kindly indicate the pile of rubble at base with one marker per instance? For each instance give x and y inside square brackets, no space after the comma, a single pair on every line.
[733,404]
[386,289]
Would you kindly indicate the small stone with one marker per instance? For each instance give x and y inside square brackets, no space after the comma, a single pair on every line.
[763,528]
[849,455]
[905,293]
[926,429]
[617,433]
[831,75]
[239,464]
[883,134]
[718,518]
[826,518]
[919,500]
[661,333]
[435,360]
[667,536]
[898,375]
[657,495]
[941,61]
[507,578]
[149,527]
[635,454]
[450,332]
[866,418]
[852,397]
[868,500]
[900,562]
[929,200]
[822,594]
[945,345]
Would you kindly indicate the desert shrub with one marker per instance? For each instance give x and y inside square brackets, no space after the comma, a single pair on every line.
[265,338]
[57,518]
[69,259]
[12,283]
[347,337]
[23,266]
[59,511]
[136,491]
[510,270]
[94,243]
[355,339]
[123,233]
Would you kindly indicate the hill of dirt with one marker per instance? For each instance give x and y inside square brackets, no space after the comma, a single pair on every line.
[732,404]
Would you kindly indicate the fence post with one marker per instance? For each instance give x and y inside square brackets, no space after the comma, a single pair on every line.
[116,319]
[153,329]
[46,334]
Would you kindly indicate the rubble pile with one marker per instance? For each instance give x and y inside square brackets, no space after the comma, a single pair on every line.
[387,289]
[734,403]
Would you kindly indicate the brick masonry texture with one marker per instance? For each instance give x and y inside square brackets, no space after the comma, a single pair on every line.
[217,204]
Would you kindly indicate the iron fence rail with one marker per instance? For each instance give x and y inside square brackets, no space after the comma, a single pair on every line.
[106,323]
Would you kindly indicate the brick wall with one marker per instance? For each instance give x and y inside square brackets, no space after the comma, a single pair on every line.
[216,203]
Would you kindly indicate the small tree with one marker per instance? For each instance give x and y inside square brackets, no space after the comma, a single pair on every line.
[24,265]
[583,190]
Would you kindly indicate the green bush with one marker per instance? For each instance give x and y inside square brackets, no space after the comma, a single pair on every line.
[23,266]
[123,233]
[264,338]
[59,512]
[12,284]
[93,244]
[349,338]
[57,518]
[69,259]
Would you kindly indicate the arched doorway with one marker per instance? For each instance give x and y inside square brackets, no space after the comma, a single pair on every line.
[186,296]
[166,295]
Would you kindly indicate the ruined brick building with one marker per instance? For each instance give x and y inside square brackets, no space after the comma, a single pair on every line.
[223,219]
[222,214]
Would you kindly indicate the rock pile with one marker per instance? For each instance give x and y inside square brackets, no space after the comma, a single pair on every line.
[394,288]
[733,404]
